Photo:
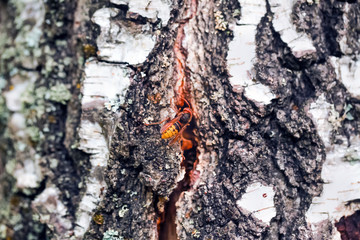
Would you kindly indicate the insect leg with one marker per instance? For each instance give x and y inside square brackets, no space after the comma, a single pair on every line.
[179,134]
[173,106]
[157,123]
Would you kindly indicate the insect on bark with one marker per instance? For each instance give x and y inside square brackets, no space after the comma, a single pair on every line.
[175,128]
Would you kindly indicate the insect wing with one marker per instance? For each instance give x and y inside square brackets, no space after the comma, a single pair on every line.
[168,124]
[175,139]
[179,134]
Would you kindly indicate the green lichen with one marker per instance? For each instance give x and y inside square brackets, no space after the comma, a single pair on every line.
[113,105]
[62,74]
[352,156]
[3,40]
[20,146]
[33,108]
[33,103]
[29,38]
[19,49]
[34,133]
[4,112]
[48,66]
[14,219]
[236,13]
[58,93]
[2,82]
[67,61]
[81,61]
[8,53]
[347,113]
[2,231]
[10,166]
[336,120]
[53,163]
[36,217]
[112,235]
[49,51]
[61,43]
[28,98]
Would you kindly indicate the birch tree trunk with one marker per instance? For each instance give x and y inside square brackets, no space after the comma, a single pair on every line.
[271,151]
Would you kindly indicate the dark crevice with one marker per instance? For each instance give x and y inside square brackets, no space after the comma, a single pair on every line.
[27,69]
[329,20]
[167,224]
[349,227]
[188,141]
[37,191]
[124,8]
[112,62]
[348,1]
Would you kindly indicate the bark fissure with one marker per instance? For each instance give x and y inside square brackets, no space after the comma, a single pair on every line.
[188,140]
[167,225]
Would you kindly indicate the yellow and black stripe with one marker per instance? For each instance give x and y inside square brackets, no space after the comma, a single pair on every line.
[171,131]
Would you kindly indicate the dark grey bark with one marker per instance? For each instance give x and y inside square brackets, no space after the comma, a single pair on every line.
[236,141]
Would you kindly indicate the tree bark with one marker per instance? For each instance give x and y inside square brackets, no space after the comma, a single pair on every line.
[271,150]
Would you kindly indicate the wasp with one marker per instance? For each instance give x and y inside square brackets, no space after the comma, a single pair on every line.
[175,128]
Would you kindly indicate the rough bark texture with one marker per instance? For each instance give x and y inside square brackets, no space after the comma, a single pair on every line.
[70,168]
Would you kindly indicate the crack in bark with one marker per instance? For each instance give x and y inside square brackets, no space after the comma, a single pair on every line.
[112,62]
[167,220]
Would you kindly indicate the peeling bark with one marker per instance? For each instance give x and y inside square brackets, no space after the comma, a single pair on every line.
[270,153]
